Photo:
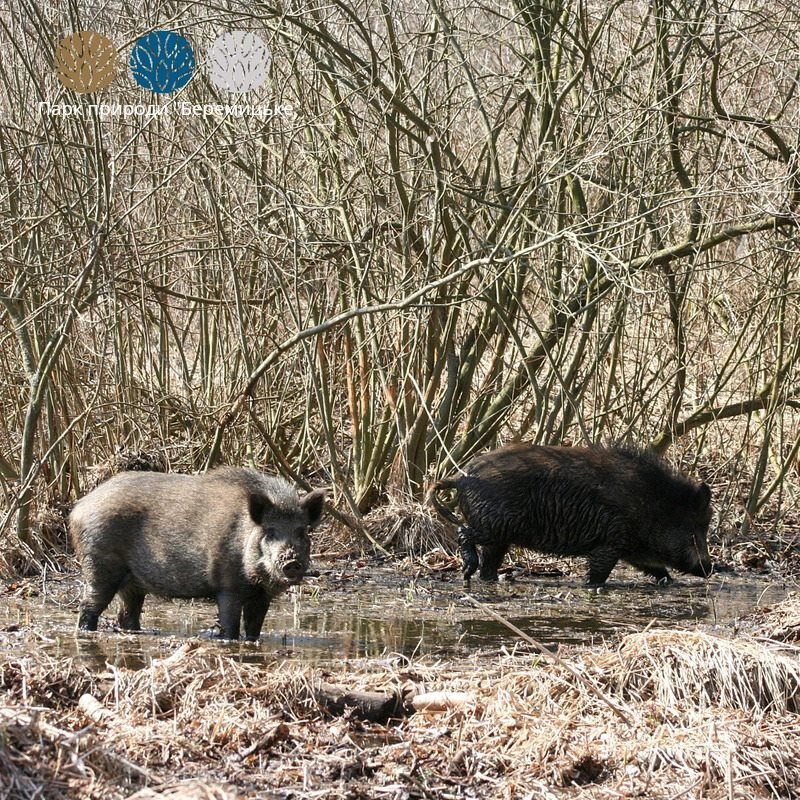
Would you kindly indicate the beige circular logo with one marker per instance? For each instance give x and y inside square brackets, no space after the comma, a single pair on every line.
[86,61]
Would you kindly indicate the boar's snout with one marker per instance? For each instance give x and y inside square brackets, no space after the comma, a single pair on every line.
[293,570]
[697,563]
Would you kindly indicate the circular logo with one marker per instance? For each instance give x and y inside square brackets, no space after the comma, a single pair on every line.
[86,61]
[162,61]
[238,61]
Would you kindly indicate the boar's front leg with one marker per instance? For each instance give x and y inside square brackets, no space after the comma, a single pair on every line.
[659,573]
[255,609]
[229,606]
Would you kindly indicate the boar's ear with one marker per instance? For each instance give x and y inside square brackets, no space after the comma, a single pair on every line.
[259,505]
[313,503]
[704,494]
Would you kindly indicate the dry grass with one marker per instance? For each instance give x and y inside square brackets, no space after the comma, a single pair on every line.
[678,668]
[781,622]
[409,528]
[706,717]
[124,460]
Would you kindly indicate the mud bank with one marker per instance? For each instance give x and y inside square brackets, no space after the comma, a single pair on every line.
[683,711]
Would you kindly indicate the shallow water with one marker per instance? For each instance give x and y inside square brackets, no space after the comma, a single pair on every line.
[350,613]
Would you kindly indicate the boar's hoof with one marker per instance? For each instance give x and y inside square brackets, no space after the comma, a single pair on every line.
[88,620]
[489,575]
[129,623]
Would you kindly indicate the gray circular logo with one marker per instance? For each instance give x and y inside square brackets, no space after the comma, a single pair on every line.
[238,61]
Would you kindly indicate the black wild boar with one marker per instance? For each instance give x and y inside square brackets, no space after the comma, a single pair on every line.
[232,534]
[609,504]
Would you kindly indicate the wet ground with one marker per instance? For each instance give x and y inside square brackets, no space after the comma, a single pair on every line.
[350,611]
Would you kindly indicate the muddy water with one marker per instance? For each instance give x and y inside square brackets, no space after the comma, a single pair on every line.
[349,612]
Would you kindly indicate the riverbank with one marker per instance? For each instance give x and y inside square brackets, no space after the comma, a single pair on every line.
[661,713]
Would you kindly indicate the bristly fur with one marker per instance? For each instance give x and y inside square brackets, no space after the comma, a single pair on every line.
[231,534]
[610,504]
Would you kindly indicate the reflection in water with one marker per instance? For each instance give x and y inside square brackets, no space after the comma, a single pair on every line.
[380,613]
[96,652]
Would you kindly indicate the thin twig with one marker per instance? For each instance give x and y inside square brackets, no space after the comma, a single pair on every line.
[554,657]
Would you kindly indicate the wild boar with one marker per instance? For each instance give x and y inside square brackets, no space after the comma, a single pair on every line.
[609,504]
[232,534]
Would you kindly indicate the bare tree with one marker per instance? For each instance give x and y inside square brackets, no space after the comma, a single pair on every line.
[459,224]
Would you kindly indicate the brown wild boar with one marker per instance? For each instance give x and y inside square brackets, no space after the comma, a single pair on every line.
[609,504]
[232,534]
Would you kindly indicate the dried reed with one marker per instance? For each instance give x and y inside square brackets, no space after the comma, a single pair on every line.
[409,528]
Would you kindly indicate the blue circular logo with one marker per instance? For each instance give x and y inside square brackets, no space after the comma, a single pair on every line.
[162,61]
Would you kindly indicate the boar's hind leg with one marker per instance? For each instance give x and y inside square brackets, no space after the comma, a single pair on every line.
[601,562]
[132,598]
[229,605]
[102,582]
[468,551]
[255,609]
[491,558]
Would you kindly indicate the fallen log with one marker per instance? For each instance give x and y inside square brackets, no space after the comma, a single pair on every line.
[368,706]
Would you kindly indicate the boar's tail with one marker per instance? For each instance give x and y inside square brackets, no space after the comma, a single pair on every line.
[433,499]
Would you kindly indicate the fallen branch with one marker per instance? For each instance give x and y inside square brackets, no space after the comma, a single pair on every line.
[370,706]
[441,701]
[96,711]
